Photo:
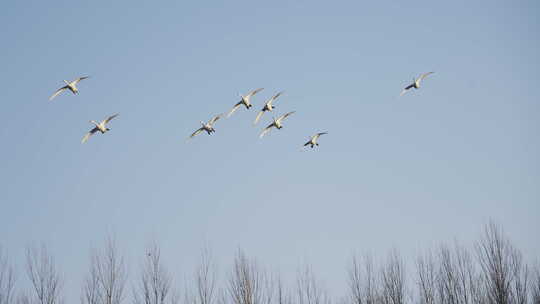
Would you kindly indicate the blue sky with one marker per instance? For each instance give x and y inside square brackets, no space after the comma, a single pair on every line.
[407,172]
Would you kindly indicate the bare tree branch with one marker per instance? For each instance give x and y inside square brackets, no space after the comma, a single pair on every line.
[504,274]
[283,295]
[206,278]
[393,280]
[7,279]
[309,290]
[107,276]
[43,274]
[91,291]
[155,280]
[535,285]
[427,278]
[248,283]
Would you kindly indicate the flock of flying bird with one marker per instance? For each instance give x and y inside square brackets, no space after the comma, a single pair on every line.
[208,127]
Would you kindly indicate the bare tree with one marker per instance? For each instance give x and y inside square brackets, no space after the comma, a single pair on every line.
[222,296]
[91,291]
[457,280]
[362,281]
[107,276]
[504,274]
[7,279]
[393,280]
[426,270]
[355,282]
[43,274]
[520,278]
[282,294]
[155,280]
[174,298]
[309,290]
[206,278]
[468,277]
[248,283]
[535,285]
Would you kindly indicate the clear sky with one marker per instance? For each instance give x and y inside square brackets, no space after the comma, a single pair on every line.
[407,172]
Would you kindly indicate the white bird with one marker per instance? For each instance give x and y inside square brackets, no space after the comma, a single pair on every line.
[275,124]
[101,127]
[313,140]
[268,106]
[416,83]
[72,86]
[208,127]
[244,101]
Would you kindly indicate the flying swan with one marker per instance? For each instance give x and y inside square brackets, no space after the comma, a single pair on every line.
[313,140]
[101,127]
[268,106]
[276,124]
[208,127]
[244,101]
[416,83]
[72,86]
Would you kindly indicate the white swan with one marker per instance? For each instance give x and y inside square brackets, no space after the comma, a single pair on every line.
[313,140]
[72,86]
[275,124]
[268,106]
[244,101]
[416,83]
[101,127]
[208,127]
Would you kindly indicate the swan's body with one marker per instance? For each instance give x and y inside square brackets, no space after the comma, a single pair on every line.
[72,86]
[101,127]
[416,83]
[277,123]
[208,127]
[268,106]
[313,140]
[245,100]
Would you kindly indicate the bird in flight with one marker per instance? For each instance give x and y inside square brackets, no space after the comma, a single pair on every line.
[313,140]
[416,83]
[275,124]
[268,106]
[101,127]
[208,127]
[244,101]
[72,86]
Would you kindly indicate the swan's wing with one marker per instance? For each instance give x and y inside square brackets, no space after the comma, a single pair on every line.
[214,119]
[282,117]
[80,78]
[258,117]
[110,118]
[236,106]
[406,89]
[275,97]
[87,136]
[266,130]
[62,89]
[321,133]
[253,92]
[424,75]
[307,143]
[197,132]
